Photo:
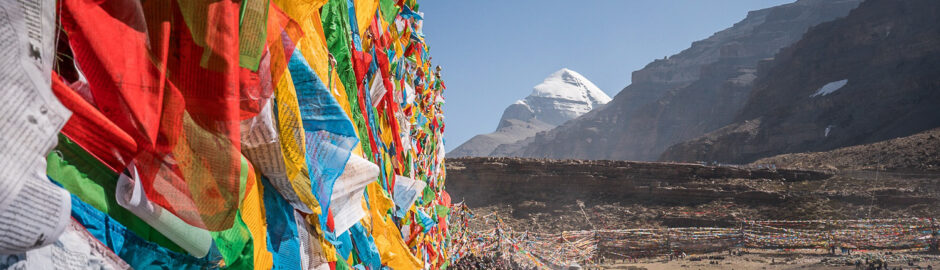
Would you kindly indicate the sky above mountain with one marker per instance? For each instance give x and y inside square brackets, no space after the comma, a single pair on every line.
[493,52]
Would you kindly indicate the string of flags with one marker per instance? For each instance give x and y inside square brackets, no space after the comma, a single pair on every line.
[233,134]
[557,250]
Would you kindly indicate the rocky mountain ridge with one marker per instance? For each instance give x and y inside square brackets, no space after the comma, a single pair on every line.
[562,96]
[683,96]
[871,76]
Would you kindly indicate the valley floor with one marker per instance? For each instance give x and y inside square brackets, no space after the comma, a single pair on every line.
[615,210]
[783,259]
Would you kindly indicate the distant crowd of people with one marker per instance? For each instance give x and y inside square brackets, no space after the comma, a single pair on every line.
[878,264]
[495,261]
[471,262]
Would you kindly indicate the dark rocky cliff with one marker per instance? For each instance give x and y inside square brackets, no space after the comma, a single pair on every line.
[684,96]
[871,76]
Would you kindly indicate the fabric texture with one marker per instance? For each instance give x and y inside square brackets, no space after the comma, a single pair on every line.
[137,252]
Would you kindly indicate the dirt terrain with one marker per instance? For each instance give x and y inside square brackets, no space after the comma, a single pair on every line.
[781,259]
[918,152]
[598,206]
[555,196]
[549,195]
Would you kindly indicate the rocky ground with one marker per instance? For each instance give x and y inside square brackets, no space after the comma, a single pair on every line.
[741,259]
[783,259]
[897,178]
[555,196]
[549,196]
[918,152]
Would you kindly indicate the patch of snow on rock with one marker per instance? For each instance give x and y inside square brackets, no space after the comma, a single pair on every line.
[830,87]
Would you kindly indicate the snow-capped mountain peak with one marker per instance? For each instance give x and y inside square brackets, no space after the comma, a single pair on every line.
[570,85]
[562,96]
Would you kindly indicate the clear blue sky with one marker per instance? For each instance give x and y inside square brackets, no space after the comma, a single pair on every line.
[494,51]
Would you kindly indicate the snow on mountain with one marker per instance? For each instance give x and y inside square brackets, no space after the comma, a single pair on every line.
[829,88]
[562,96]
[686,95]
[570,85]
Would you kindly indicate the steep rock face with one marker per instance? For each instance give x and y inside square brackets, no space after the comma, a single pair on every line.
[684,96]
[871,76]
[563,96]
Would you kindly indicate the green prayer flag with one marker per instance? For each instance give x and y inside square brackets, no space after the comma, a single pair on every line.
[235,245]
[341,264]
[335,18]
[91,181]
[252,33]
[428,196]
[442,211]
[389,10]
